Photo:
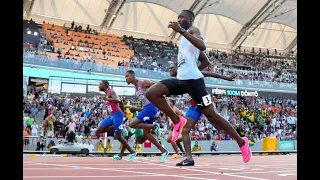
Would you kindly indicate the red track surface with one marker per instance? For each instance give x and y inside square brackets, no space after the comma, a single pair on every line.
[206,168]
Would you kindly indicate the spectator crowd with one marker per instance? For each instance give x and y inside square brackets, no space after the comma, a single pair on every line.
[253,117]
[155,55]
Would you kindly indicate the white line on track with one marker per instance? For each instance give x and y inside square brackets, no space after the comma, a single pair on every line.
[197,170]
[118,170]
[263,172]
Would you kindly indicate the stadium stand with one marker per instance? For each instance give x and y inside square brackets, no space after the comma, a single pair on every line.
[72,44]
[70,47]
[78,47]
[253,117]
[84,49]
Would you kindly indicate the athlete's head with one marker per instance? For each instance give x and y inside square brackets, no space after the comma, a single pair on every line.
[104,85]
[130,76]
[173,70]
[186,18]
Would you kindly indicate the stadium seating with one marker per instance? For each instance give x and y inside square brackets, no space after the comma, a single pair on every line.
[80,46]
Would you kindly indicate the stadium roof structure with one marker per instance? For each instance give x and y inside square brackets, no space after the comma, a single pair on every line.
[224,23]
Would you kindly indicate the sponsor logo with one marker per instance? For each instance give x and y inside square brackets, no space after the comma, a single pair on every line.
[228,92]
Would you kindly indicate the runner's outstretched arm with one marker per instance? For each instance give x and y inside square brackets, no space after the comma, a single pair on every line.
[215,75]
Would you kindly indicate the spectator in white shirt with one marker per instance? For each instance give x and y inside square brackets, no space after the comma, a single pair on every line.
[83,142]
[34,129]
[90,146]
[93,130]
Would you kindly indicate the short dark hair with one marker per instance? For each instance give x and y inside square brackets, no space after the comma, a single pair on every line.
[191,14]
[131,72]
[105,82]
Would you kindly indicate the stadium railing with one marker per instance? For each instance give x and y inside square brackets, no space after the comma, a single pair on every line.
[30,143]
[32,59]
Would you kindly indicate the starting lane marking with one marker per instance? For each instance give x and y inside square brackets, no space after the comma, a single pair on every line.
[120,176]
[263,172]
[84,164]
[135,172]
[197,170]
[229,164]
[240,169]
[290,174]
[50,168]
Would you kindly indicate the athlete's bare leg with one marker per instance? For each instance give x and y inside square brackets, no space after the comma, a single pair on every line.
[102,129]
[173,144]
[179,145]
[122,147]
[186,137]
[155,95]
[148,135]
[124,142]
[135,123]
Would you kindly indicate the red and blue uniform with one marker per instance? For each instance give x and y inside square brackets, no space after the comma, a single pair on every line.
[149,112]
[193,112]
[115,117]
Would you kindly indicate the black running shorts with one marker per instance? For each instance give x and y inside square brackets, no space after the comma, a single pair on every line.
[196,88]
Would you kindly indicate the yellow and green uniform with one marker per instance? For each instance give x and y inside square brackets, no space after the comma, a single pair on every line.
[128,113]
[135,132]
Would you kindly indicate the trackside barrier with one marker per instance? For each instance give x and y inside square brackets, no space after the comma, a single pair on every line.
[30,143]
[39,153]
[223,146]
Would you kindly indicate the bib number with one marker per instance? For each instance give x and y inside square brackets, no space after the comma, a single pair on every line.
[206,100]
[121,126]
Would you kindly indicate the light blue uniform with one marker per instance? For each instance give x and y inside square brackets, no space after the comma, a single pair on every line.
[188,56]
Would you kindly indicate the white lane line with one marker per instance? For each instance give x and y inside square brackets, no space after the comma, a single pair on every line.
[118,170]
[197,170]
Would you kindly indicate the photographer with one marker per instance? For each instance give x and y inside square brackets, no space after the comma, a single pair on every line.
[40,144]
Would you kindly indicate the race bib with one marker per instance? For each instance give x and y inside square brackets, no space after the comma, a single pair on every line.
[206,100]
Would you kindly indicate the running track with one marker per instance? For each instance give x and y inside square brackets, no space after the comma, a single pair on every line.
[275,167]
